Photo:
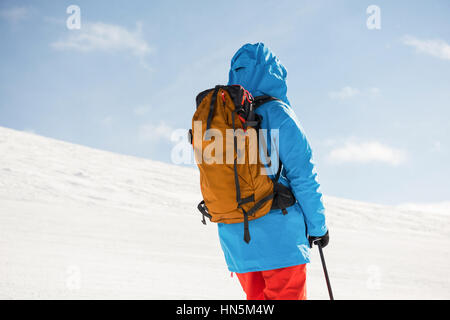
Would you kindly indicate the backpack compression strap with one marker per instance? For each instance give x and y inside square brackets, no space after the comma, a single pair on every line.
[211,108]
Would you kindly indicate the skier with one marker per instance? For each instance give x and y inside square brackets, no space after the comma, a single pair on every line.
[273,265]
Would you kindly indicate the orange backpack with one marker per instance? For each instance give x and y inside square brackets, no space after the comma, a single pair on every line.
[233,181]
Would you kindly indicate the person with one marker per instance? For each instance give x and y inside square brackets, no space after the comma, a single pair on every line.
[273,265]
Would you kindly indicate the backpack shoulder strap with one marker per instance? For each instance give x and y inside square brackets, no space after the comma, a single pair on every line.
[257,102]
[253,119]
[260,100]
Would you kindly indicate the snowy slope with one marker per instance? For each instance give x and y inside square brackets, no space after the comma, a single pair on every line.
[82,223]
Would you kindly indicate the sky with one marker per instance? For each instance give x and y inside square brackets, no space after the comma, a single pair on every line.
[371,87]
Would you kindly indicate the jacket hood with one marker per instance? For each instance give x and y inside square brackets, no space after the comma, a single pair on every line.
[257,69]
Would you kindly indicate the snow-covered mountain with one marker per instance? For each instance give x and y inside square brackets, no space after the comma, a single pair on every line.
[76,222]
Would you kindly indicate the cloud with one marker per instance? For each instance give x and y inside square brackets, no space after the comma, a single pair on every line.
[349,92]
[107,121]
[344,93]
[15,14]
[154,133]
[436,146]
[105,37]
[141,110]
[437,48]
[367,152]
[374,91]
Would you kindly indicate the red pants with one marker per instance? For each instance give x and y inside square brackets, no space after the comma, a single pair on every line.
[278,284]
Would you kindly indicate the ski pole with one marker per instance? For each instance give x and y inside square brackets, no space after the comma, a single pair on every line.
[325,270]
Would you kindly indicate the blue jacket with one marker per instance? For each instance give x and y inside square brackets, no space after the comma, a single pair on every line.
[277,240]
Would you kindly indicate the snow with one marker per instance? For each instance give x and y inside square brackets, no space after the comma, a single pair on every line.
[80,223]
